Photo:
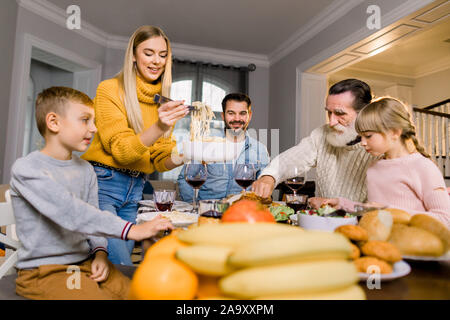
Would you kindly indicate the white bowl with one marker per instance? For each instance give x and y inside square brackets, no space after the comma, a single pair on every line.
[211,151]
[323,223]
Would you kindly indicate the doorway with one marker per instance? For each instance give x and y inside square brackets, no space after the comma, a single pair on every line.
[42,76]
[39,64]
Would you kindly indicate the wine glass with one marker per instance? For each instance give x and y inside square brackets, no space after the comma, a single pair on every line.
[195,174]
[164,199]
[244,175]
[296,180]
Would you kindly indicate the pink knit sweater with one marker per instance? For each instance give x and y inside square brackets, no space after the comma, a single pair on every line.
[413,183]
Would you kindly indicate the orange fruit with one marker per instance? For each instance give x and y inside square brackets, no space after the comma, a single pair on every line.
[208,287]
[166,246]
[163,278]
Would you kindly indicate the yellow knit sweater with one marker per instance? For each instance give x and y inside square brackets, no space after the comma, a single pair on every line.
[116,144]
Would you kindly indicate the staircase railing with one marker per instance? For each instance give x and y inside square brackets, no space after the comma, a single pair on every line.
[433,129]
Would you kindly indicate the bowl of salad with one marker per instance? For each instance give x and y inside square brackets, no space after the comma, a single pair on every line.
[326,218]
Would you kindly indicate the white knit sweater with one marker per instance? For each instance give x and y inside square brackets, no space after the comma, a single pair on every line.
[341,172]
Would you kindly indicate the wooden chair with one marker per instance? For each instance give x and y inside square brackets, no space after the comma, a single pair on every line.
[10,239]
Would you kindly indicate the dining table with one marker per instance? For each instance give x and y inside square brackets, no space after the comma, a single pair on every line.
[428,280]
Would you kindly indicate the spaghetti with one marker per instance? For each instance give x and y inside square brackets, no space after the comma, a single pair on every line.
[200,123]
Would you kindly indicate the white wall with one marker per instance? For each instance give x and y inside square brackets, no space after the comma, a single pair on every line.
[8,19]
[432,89]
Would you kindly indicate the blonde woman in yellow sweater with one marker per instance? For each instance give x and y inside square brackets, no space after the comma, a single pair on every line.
[134,135]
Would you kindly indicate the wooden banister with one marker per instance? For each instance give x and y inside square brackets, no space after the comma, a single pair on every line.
[436,105]
[434,113]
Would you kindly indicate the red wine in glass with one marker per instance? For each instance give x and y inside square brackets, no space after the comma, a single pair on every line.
[212,214]
[164,206]
[297,205]
[196,183]
[295,183]
[195,174]
[244,175]
[244,183]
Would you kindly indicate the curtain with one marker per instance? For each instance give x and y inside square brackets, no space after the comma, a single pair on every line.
[229,78]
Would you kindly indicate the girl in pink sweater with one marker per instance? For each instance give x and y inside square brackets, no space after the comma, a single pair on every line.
[404,177]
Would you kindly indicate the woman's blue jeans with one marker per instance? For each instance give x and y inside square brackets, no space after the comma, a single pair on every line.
[119,193]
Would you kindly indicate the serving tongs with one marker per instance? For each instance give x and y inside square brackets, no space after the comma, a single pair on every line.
[359,211]
[161,99]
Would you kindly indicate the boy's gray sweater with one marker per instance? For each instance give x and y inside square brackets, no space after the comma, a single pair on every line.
[56,209]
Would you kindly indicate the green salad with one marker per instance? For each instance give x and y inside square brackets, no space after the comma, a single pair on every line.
[281,213]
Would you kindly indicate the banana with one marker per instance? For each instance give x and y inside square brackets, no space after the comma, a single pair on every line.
[292,278]
[308,245]
[206,259]
[353,292]
[234,234]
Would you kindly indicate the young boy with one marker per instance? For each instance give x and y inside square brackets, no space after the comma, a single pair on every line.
[55,200]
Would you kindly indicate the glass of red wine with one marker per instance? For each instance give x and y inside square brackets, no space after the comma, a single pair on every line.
[245,175]
[297,179]
[297,201]
[195,174]
[164,199]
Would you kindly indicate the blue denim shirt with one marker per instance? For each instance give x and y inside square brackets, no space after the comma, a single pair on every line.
[220,181]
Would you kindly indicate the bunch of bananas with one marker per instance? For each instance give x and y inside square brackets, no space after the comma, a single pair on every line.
[271,261]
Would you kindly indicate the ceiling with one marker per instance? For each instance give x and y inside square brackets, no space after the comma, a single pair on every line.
[252,26]
[420,55]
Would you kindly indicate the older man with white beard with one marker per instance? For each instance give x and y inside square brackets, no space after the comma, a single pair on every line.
[333,149]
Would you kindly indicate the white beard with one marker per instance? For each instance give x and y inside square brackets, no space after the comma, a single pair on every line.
[342,138]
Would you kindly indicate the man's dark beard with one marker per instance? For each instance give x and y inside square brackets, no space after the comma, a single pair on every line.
[235,131]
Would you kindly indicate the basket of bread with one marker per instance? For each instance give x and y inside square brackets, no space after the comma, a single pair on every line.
[384,237]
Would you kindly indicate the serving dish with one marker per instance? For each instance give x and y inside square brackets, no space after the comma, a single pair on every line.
[313,222]
[214,151]
[444,257]
[178,219]
[401,269]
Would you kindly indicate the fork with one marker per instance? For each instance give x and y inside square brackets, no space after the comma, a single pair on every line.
[161,99]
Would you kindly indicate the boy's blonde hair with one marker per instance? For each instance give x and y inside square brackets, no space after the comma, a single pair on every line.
[127,76]
[384,114]
[55,100]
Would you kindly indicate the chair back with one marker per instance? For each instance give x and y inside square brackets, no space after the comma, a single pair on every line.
[9,239]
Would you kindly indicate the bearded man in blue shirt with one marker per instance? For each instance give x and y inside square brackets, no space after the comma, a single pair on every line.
[237,113]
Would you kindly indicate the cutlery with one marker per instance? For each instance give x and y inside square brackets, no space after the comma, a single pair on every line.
[161,99]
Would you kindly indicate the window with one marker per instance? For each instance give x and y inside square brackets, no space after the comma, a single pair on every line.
[209,84]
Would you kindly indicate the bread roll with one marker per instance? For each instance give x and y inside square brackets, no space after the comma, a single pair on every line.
[399,216]
[378,224]
[415,241]
[426,222]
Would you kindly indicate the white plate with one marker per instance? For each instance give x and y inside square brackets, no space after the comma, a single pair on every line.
[178,219]
[444,257]
[146,205]
[401,269]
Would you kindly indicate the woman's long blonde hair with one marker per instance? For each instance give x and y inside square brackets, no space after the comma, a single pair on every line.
[386,114]
[127,76]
